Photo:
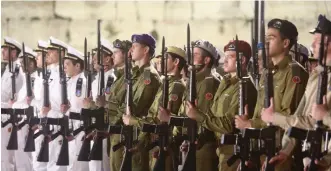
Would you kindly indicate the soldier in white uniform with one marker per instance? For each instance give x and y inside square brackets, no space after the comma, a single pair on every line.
[76,87]
[54,111]
[23,160]
[7,157]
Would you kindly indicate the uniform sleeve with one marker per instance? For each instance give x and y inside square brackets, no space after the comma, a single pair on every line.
[288,144]
[181,110]
[223,124]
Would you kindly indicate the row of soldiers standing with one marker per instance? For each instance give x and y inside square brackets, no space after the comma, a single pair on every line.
[214,110]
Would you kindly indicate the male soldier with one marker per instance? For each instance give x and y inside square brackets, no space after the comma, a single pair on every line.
[76,86]
[117,97]
[100,101]
[23,160]
[36,101]
[302,116]
[205,55]
[281,35]
[145,86]
[56,109]
[175,63]
[225,104]
[10,49]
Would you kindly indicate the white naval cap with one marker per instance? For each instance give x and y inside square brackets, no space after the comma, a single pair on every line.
[10,42]
[42,46]
[74,54]
[56,43]
[30,53]
[106,46]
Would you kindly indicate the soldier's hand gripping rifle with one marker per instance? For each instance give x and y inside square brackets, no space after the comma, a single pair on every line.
[241,144]
[162,130]
[190,162]
[315,137]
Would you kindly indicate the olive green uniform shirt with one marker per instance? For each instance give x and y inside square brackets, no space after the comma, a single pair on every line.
[285,92]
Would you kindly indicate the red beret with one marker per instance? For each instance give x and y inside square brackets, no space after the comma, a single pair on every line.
[243,47]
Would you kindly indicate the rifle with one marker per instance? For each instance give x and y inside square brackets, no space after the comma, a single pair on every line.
[315,137]
[255,58]
[128,130]
[269,139]
[12,143]
[241,144]
[190,161]
[96,151]
[162,129]
[27,74]
[43,155]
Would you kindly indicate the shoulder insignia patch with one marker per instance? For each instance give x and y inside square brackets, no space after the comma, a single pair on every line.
[9,129]
[296,79]
[174,97]
[79,87]
[209,96]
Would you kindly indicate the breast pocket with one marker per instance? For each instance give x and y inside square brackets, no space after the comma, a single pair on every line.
[224,104]
[279,90]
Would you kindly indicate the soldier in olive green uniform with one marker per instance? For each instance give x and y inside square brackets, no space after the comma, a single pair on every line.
[117,97]
[225,105]
[307,108]
[205,55]
[281,35]
[175,62]
[145,86]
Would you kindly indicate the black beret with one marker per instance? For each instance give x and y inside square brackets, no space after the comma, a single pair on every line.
[286,28]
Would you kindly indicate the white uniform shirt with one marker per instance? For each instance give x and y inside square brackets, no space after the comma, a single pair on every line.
[6,87]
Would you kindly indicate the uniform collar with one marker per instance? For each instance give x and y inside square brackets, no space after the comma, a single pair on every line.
[34,74]
[141,69]
[230,80]
[203,74]
[173,78]
[282,64]
[119,72]
[74,78]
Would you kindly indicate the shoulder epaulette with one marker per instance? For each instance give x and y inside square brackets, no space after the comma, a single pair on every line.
[110,81]
[147,76]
